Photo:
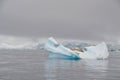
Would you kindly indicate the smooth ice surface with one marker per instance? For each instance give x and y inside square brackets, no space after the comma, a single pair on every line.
[99,51]
[53,47]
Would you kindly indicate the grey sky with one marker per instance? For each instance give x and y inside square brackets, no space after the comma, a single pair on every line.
[78,19]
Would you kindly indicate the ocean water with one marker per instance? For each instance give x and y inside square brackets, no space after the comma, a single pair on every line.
[36,65]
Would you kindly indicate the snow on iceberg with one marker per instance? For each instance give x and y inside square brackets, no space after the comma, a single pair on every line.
[99,51]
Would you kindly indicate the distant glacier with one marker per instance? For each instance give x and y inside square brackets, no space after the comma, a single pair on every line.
[22,43]
[40,46]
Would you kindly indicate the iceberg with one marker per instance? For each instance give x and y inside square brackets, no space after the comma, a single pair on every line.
[57,50]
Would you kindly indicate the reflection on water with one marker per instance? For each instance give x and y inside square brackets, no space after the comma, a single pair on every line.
[96,69]
[97,65]
[76,69]
[36,65]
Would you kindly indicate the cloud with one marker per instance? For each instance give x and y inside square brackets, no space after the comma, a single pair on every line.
[78,19]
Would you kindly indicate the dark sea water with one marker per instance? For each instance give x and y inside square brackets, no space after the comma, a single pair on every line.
[36,65]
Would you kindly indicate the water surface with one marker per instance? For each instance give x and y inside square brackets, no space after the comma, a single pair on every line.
[36,65]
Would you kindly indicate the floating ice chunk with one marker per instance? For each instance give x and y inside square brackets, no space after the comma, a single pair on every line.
[99,51]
